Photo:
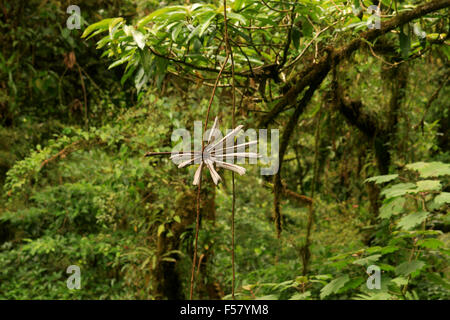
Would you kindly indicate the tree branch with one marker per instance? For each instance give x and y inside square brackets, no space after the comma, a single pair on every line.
[344,52]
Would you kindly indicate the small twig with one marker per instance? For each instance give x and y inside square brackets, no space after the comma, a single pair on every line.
[433,97]
[307,46]
[85,97]
[233,205]
[61,153]
[273,9]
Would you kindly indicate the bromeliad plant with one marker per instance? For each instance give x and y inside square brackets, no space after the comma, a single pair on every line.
[214,153]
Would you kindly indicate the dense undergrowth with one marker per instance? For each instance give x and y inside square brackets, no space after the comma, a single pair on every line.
[76,189]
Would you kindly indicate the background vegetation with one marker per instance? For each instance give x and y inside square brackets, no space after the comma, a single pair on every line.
[364,149]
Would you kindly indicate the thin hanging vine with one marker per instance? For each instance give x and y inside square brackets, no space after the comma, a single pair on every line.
[233,205]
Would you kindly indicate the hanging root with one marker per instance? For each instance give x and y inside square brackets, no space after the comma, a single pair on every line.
[287,134]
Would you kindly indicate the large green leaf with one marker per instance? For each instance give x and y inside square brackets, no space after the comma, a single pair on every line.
[406,268]
[209,17]
[114,23]
[295,36]
[391,207]
[161,12]
[442,198]
[428,185]
[405,40]
[238,17]
[237,5]
[400,281]
[430,169]
[382,179]
[98,26]
[430,243]
[307,27]
[176,31]
[411,220]
[301,296]
[398,190]
[194,33]
[121,61]
[367,260]
[334,286]
[139,38]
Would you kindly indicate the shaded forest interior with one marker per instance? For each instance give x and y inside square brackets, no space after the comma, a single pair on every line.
[359,94]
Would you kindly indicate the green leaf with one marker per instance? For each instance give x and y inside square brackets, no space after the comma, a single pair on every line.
[295,36]
[268,297]
[438,279]
[442,198]
[428,185]
[176,31]
[400,281]
[102,42]
[161,229]
[307,27]
[375,296]
[352,284]
[120,61]
[102,25]
[367,260]
[236,16]
[159,13]
[177,219]
[382,179]
[139,38]
[398,190]
[430,169]
[392,206]
[301,296]
[334,286]
[406,268]
[405,41]
[386,267]
[382,250]
[113,23]
[237,5]
[411,220]
[131,68]
[356,4]
[430,243]
[210,16]
[169,259]
[194,33]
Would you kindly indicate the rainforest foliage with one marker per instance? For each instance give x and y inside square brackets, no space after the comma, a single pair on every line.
[357,89]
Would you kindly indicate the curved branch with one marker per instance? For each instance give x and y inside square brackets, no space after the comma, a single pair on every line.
[344,52]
